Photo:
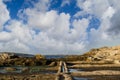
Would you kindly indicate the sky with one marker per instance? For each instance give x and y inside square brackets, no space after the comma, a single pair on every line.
[58,26]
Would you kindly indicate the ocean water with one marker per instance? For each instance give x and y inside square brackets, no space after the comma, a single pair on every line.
[54,56]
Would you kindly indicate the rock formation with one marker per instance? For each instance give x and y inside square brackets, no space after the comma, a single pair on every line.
[104,54]
[7,55]
[4,56]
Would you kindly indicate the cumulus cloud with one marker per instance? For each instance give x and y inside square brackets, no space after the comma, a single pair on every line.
[20,31]
[4,14]
[60,32]
[55,34]
[115,26]
[5,36]
[17,39]
[41,20]
[107,12]
[14,46]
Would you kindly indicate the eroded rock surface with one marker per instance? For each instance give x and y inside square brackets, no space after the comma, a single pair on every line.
[104,54]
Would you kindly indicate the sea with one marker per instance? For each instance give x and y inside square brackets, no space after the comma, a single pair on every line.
[54,56]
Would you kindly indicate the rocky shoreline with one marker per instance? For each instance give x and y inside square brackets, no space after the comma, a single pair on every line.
[98,64]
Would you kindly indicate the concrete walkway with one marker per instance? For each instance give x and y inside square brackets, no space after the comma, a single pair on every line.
[63,72]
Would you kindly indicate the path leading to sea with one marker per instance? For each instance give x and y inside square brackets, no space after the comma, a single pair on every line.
[63,72]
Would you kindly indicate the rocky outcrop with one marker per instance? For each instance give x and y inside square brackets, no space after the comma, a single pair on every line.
[104,53]
[17,59]
[4,56]
[8,55]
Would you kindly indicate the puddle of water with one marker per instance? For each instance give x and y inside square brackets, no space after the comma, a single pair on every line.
[75,70]
[77,78]
[80,78]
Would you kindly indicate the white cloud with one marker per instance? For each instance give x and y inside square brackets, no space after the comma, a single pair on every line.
[42,5]
[61,26]
[41,20]
[4,14]
[107,11]
[20,31]
[80,26]
[5,36]
[96,7]
[65,2]
[56,36]
[18,39]
[14,46]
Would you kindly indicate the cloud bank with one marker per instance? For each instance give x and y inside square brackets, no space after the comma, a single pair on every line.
[40,29]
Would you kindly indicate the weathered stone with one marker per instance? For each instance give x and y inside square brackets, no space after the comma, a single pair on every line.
[103,53]
[4,56]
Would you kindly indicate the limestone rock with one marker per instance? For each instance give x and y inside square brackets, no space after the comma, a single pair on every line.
[104,53]
[4,56]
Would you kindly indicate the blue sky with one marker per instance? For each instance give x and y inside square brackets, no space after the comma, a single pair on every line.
[58,26]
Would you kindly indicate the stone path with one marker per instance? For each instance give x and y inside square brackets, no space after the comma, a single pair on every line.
[63,72]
